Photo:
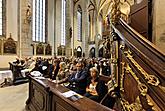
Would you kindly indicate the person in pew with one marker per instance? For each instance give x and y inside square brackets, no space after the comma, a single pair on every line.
[96,89]
[78,81]
[56,67]
[16,61]
[61,72]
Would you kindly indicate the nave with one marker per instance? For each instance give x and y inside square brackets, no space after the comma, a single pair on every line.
[13,98]
[122,39]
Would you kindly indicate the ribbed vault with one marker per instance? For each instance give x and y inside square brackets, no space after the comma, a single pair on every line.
[114,8]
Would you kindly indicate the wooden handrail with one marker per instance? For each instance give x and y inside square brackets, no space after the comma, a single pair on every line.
[140,38]
[140,62]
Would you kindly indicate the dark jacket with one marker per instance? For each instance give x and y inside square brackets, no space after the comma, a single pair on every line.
[81,81]
[101,88]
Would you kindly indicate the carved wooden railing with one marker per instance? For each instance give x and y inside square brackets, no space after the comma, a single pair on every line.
[141,71]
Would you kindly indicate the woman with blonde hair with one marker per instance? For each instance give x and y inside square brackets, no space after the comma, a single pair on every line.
[61,72]
[96,89]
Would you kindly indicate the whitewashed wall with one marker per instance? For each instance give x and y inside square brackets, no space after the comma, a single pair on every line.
[12,18]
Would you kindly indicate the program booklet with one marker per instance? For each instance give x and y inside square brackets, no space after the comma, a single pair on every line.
[71,95]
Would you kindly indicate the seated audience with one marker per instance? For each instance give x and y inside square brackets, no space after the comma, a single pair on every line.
[96,89]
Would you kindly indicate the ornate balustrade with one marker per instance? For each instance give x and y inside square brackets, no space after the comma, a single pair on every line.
[140,70]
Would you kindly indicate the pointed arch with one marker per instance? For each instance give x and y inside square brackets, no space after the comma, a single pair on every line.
[79,23]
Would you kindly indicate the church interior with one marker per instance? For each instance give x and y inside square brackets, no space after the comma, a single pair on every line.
[82,55]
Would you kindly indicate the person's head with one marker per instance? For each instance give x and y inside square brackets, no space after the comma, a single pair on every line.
[79,66]
[94,72]
[17,58]
[62,65]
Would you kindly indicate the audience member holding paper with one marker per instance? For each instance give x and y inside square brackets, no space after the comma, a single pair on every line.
[96,89]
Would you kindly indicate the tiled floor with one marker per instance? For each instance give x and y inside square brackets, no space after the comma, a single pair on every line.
[13,98]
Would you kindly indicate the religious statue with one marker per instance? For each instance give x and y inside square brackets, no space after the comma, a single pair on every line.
[28,14]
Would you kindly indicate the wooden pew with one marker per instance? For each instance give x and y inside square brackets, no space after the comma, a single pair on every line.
[45,95]
[17,76]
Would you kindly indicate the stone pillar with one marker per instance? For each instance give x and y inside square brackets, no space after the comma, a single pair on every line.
[68,29]
[96,36]
[85,31]
[25,28]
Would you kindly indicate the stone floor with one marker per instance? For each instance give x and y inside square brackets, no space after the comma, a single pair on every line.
[13,98]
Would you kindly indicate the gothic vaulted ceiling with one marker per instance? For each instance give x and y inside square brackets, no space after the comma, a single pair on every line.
[106,7]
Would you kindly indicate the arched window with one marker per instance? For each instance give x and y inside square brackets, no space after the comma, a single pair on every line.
[89,26]
[63,18]
[39,20]
[79,24]
[2,17]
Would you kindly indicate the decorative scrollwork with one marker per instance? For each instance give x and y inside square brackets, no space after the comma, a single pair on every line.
[122,46]
[150,102]
[151,79]
[142,87]
[122,77]
[162,88]
[136,106]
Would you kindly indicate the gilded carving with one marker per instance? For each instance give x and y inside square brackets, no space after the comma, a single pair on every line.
[122,76]
[150,102]
[111,84]
[136,106]
[142,87]
[151,79]
[162,88]
[122,46]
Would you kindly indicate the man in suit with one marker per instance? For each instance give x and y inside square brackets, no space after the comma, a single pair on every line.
[78,80]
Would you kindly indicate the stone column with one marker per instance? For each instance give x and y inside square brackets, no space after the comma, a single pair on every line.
[25,27]
[85,31]
[68,28]
[96,33]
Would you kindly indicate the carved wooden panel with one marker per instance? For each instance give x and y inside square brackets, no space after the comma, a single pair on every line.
[10,46]
[38,97]
[61,105]
[39,49]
